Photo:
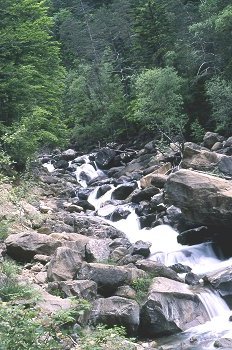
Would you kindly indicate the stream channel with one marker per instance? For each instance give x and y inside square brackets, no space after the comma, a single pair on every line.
[202,258]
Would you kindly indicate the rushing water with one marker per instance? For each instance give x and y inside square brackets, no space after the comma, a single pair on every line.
[165,248]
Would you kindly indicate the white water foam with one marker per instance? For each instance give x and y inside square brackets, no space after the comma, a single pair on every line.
[49,166]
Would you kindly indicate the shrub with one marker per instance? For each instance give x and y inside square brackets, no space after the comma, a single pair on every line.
[105,338]
[159,103]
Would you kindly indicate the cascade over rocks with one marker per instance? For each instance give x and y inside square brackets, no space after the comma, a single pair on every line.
[82,255]
[221,280]
[170,307]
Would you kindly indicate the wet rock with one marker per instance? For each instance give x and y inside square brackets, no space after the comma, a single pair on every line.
[108,277]
[64,265]
[203,199]
[83,204]
[61,164]
[195,236]
[211,138]
[222,281]
[142,248]
[145,194]
[179,268]
[69,154]
[170,308]
[97,250]
[192,279]
[24,246]
[83,289]
[123,191]
[223,343]
[83,193]
[116,311]
[157,199]
[119,214]
[102,190]
[104,158]
[148,220]
[157,269]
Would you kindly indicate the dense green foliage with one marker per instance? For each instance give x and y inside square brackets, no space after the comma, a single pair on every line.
[103,70]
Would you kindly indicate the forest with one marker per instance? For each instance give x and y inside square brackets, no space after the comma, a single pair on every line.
[87,72]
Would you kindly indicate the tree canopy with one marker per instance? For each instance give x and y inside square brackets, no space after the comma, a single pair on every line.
[104,70]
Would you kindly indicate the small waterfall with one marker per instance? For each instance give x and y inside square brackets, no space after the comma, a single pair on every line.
[98,202]
[165,248]
[214,304]
[87,172]
[49,166]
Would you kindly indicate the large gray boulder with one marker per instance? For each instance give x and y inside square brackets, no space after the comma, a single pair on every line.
[24,246]
[64,265]
[199,158]
[83,289]
[157,269]
[116,311]
[98,250]
[203,199]
[222,281]
[157,177]
[123,191]
[170,308]
[93,226]
[109,277]
[211,138]
[105,157]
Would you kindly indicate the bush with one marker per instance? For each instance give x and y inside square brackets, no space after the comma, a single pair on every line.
[105,338]
[159,103]
[141,286]
[219,92]
[10,288]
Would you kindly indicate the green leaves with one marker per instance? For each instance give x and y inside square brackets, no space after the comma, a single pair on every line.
[159,103]
[31,79]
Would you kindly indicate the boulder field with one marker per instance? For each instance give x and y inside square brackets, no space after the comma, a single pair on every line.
[72,247]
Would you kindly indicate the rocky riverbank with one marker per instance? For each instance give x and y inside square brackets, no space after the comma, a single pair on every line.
[71,244]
